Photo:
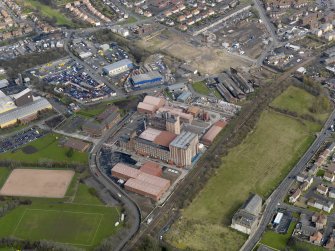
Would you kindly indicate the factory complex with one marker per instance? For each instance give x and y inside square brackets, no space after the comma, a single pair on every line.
[171,134]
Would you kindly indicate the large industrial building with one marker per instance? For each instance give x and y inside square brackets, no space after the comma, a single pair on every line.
[24,113]
[146,79]
[141,182]
[6,103]
[213,131]
[184,148]
[164,145]
[118,67]
[150,104]
[245,219]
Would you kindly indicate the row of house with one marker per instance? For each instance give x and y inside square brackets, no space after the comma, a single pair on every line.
[75,9]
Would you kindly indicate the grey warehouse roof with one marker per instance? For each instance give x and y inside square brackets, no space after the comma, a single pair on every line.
[252,205]
[24,111]
[118,64]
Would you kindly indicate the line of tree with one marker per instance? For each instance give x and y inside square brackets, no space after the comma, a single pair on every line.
[9,204]
[41,245]
[22,63]
[80,168]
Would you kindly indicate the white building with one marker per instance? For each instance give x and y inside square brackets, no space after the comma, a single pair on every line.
[118,67]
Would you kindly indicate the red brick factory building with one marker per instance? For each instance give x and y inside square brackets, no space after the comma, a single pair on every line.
[141,182]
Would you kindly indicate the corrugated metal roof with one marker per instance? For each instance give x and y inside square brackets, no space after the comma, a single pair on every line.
[146,76]
[118,64]
[25,111]
[176,86]
[183,140]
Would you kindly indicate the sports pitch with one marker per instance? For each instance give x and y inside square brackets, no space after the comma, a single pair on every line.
[37,183]
[75,228]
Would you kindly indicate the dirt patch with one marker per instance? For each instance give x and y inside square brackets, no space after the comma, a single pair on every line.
[29,149]
[205,59]
[37,183]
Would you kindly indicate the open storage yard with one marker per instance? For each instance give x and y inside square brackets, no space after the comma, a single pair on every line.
[37,183]
[256,165]
[206,60]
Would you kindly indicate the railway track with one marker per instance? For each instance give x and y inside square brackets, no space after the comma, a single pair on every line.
[167,209]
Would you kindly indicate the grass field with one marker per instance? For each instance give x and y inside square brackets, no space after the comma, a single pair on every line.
[48,149]
[257,165]
[277,241]
[49,12]
[297,100]
[201,88]
[4,173]
[83,222]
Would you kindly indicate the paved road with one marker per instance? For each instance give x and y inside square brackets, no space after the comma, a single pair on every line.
[132,211]
[278,195]
[269,26]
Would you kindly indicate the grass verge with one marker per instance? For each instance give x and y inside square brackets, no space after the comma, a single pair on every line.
[257,165]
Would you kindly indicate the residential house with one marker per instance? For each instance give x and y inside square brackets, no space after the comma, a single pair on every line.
[320,220]
[331,192]
[322,189]
[328,176]
[316,238]
[301,177]
[295,196]
[330,243]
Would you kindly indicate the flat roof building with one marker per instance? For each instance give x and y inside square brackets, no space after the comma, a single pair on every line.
[150,104]
[118,67]
[211,134]
[77,144]
[146,79]
[143,188]
[24,112]
[124,172]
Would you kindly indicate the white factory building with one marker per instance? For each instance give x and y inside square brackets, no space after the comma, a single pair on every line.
[118,67]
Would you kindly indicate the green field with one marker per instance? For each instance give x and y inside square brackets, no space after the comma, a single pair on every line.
[49,12]
[83,221]
[4,173]
[48,149]
[277,241]
[257,165]
[297,100]
[201,88]
[77,228]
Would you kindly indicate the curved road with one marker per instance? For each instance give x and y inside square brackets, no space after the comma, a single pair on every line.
[278,195]
[132,211]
